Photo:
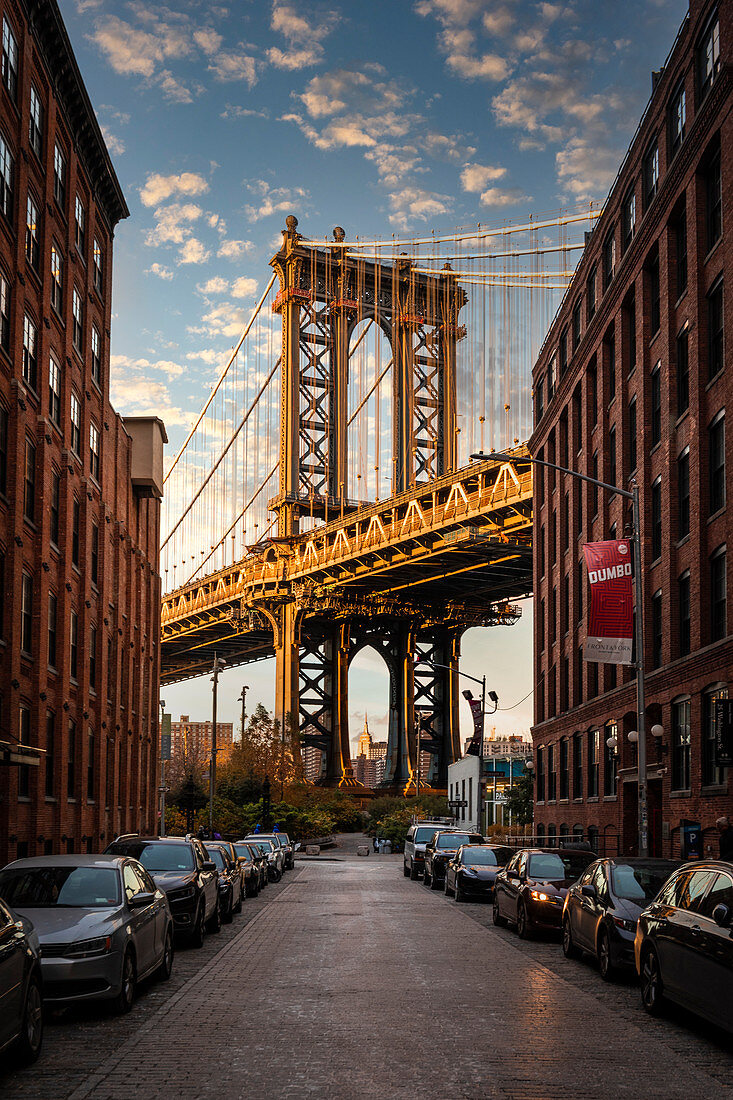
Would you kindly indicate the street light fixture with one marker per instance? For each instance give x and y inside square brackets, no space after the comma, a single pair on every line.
[243,699]
[219,664]
[633,496]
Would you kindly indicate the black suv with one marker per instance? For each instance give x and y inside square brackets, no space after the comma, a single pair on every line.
[181,867]
[441,847]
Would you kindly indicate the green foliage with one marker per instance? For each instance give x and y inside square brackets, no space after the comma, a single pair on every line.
[520,801]
[427,805]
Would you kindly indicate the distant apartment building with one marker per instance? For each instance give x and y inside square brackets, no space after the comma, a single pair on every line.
[192,740]
[633,381]
[371,759]
[312,762]
[80,487]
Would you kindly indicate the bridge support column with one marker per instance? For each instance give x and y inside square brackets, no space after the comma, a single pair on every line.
[287,695]
[399,765]
[339,771]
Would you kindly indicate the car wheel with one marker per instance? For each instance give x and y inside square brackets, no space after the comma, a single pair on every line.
[523,927]
[214,921]
[238,907]
[405,869]
[199,931]
[434,884]
[124,999]
[569,950]
[31,1035]
[426,876]
[166,963]
[652,987]
[228,915]
[605,964]
[459,894]
[446,891]
[496,916]
[414,873]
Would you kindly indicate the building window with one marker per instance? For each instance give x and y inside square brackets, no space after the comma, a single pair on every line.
[565,767]
[73,645]
[680,242]
[563,351]
[77,309]
[71,760]
[579,594]
[630,319]
[30,360]
[10,61]
[708,56]
[683,494]
[3,451]
[590,288]
[716,459]
[566,521]
[593,394]
[59,177]
[4,313]
[98,266]
[93,657]
[683,596]
[551,774]
[657,629]
[650,173]
[713,200]
[75,532]
[80,230]
[594,738]
[90,764]
[50,754]
[540,774]
[35,124]
[552,378]
[681,745]
[631,450]
[712,774]
[577,765]
[29,482]
[610,348]
[26,614]
[7,168]
[657,519]
[94,451]
[52,627]
[594,487]
[95,553]
[628,227]
[677,118]
[54,508]
[24,738]
[656,405]
[612,454]
[32,242]
[683,372]
[75,424]
[96,356]
[57,279]
[577,325]
[654,293]
[609,259]
[718,595]
[610,769]
[54,390]
[716,361]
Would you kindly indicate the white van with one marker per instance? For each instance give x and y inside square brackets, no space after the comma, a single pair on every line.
[417,837]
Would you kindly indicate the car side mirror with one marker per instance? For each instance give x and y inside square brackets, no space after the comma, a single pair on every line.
[722,916]
[209,865]
[588,890]
[139,901]
[296,847]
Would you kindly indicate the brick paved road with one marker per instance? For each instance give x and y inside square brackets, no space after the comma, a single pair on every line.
[351,981]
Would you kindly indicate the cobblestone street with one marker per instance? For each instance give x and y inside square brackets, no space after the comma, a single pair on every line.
[349,980]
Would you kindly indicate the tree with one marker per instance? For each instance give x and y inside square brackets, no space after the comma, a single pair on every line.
[520,800]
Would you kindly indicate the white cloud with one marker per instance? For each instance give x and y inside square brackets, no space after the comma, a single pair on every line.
[487,66]
[586,168]
[173,223]
[222,320]
[206,355]
[142,397]
[499,196]
[163,366]
[145,51]
[474,177]
[233,111]
[158,187]
[231,65]
[305,37]
[160,271]
[217,285]
[193,252]
[413,204]
[244,287]
[115,145]
[272,200]
[234,250]
[208,40]
[451,12]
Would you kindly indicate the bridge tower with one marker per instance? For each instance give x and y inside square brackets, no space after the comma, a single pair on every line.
[323,294]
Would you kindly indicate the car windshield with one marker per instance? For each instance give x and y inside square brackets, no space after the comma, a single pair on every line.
[53,887]
[423,834]
[546,865]
[264,845]
[156,855]
[454,840]
[479,857]
[243,850]
[284,838]
[217,856]
[640,883]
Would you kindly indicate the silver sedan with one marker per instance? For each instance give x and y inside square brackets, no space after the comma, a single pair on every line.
[102,923]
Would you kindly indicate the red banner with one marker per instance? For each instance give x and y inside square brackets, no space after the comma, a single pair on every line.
[611,615]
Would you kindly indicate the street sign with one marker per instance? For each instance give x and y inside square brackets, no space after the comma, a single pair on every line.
[724,732]
[457,803]
[165,737]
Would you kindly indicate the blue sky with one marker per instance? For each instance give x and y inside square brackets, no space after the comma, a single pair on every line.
[389,116]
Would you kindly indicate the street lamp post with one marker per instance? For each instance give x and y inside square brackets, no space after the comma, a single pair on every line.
[219,664]
[633,496]
[243,698]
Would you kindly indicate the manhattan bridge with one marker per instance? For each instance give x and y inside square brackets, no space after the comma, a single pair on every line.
[324,499]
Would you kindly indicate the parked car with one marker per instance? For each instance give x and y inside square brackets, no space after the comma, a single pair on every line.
[258,859]
[230,881]
[102,924]
[182,869]
[289,849]
[530,891]
[601,909]
[250,876]
[21,987]
[441,847]
[684,943]
[418,835]
[281,845]
[273,854]
[474,868]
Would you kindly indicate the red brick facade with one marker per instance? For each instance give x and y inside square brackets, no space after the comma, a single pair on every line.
[78,540]
[633,380]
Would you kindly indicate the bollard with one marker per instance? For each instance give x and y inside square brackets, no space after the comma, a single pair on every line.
[363,850]
[312,849]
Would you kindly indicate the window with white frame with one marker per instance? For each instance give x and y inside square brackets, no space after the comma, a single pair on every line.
[10,60]
[77,310]
[35,123]
[4,313]
[59,176]
[54,389]
[57,278]
[98,266]
[30,359]
[96,356]
[75,424]
[94,450]
[32,240]
[80,231]
[7,169]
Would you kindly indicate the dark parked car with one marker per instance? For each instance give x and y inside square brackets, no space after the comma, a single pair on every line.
[230,881]
[530,891]
[441,847]
[21,1015]
[684,943]
[249,873]
[474,868]
[273,853]
[602,908]
[259,862]
[182,869]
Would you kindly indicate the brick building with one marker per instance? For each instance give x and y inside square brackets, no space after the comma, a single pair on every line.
[192,740]
[632,381]
[79,487]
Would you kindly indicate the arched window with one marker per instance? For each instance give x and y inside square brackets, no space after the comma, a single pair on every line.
[593,837]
